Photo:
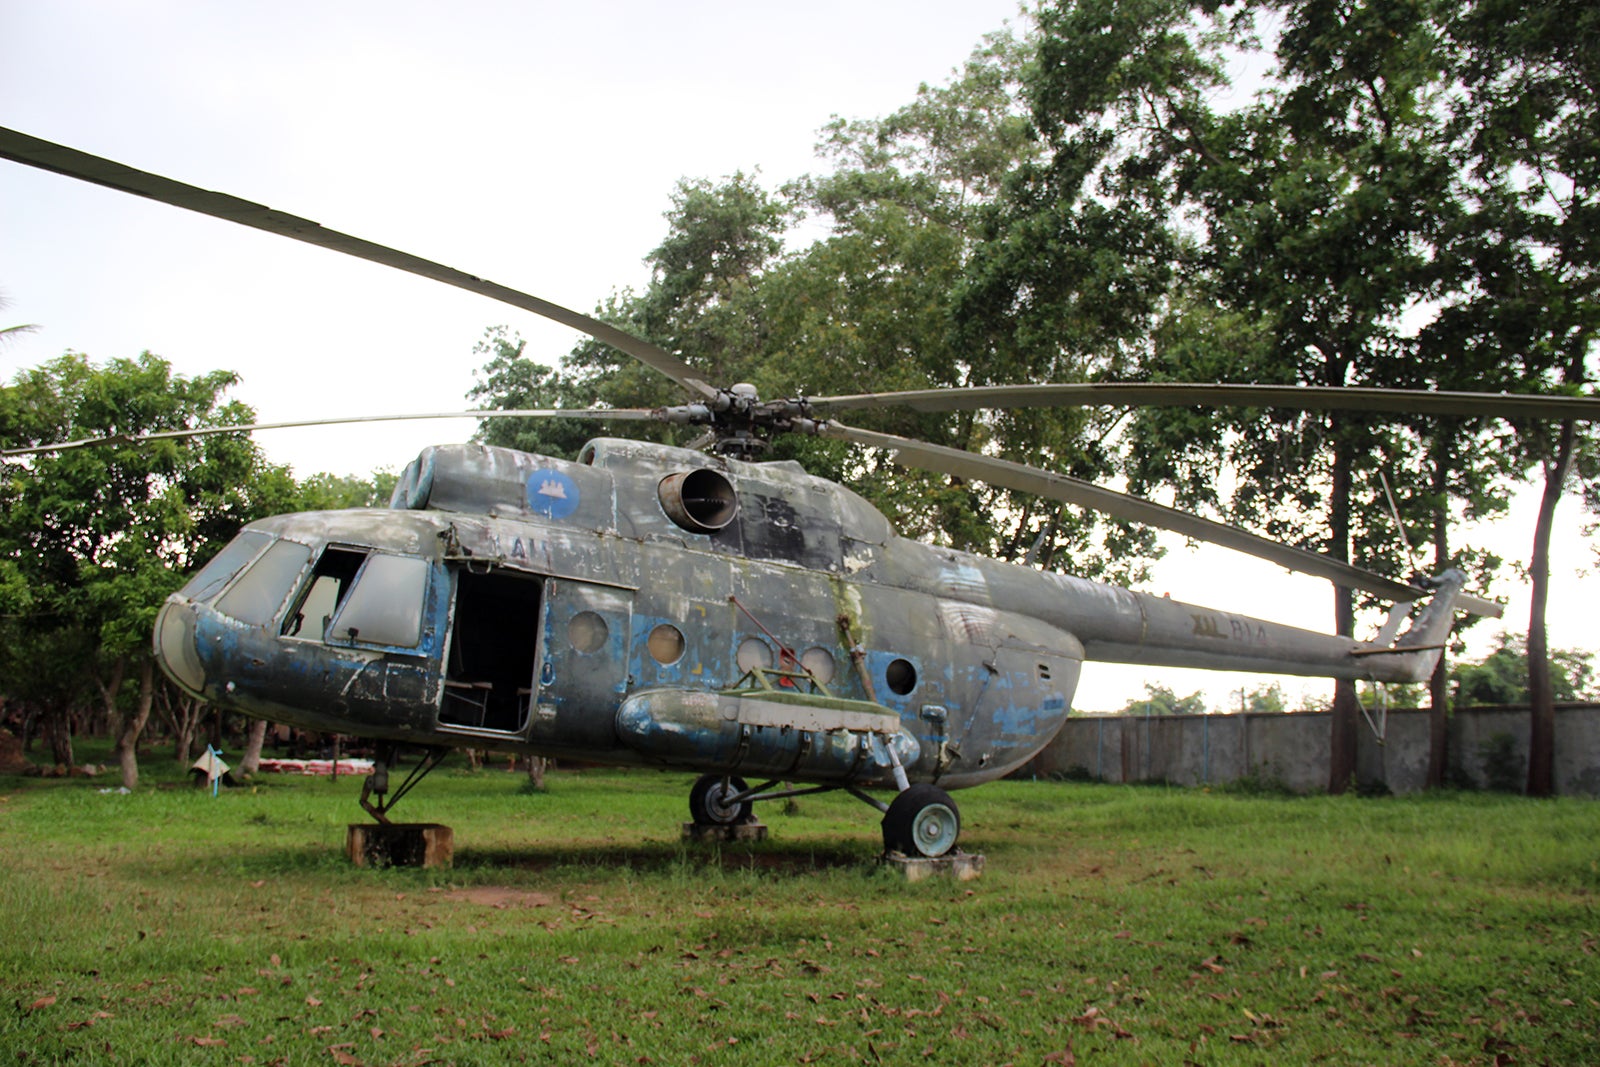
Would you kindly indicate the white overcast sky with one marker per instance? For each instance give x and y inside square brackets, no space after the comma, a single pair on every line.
[532,143]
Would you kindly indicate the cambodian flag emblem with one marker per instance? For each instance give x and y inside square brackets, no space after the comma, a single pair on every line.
[552,494]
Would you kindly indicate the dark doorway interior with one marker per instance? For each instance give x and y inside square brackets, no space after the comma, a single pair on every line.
[489,677]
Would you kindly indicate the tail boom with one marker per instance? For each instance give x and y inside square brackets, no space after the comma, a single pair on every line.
[1174,634]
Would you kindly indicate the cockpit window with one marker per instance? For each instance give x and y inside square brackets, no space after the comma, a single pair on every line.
[330,581]
[385,607]
[224,565]
[261,590]
[356,597]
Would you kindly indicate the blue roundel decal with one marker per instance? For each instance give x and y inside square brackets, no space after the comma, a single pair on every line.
[552,493]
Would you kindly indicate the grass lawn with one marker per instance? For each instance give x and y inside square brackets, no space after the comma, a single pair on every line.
[1113,925]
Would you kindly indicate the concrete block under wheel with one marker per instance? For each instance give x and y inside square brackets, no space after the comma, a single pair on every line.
[739,831]
[409,844]
[959,866]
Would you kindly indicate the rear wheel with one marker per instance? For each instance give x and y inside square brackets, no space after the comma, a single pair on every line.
[711,801]
[922,821]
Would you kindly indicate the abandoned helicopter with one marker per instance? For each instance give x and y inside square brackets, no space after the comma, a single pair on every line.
[663,607]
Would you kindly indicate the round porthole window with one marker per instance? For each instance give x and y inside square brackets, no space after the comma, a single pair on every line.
[753,654]
[666,644]
[818,663]
[587,632]
[901,676]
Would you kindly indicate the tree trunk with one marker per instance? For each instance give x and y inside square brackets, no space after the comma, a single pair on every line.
[1541,696]
[255,737]
[133,725]
[183,715]
[30,727]
[1346,718]
[1439,684]
[58,732]
[110,690]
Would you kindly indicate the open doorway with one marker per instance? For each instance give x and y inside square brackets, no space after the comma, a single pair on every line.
[489,671]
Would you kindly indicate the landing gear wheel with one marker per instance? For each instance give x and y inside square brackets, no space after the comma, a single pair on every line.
[710,801]
[922,821]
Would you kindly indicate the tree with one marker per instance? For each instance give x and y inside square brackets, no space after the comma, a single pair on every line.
[1303,238]
[872,304]
[700,301]
[884,302]
[1324,209]
[1160,700]
[331,492]
[1528,297]
[100,536]
[1504,677]
[1263,700]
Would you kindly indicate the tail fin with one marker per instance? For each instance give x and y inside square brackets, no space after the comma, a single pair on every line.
[1413,656]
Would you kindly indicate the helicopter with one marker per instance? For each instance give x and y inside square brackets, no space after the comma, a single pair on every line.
[703,610]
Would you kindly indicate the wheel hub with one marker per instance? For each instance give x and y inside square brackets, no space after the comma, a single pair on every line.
[719,804]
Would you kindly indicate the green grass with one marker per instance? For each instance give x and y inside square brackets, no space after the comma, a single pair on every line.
[1114,925]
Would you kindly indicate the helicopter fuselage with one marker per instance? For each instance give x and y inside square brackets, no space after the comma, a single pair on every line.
[648,605]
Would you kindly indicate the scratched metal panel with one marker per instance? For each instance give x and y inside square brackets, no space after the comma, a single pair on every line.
[582,668]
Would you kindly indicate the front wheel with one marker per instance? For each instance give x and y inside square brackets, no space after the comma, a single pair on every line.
[711,801]
[922,821]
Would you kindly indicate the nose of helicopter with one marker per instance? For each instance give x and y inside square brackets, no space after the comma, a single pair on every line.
[175,645]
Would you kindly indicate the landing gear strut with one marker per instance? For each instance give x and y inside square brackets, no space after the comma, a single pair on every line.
[390,844]
[922,822]
[377,783]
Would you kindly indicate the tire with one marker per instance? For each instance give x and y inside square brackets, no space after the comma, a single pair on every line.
[922,821]
[707,806]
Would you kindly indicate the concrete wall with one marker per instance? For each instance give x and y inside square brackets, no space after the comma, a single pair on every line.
[1484,744]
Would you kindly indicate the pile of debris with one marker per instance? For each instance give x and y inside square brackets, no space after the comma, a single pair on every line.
[14,761]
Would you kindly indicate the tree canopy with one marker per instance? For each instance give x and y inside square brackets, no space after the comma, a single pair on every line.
[93,540]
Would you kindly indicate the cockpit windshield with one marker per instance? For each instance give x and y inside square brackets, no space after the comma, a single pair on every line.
[224,565]
[350,596]
[260,591]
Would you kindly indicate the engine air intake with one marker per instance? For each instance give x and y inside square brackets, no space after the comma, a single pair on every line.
[700,500]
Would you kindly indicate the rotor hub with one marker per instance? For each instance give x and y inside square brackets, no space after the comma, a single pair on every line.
[742,425]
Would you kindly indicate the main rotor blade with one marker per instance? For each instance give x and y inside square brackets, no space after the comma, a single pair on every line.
[1170,394]
[607,414]
[21,148]
[1028,479]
